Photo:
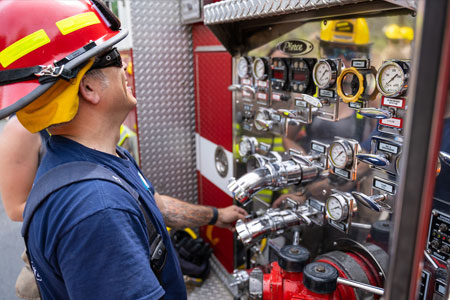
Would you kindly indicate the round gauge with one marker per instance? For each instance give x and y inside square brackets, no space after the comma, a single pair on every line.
[261,116]
[324,73]
[336,208]
[260,69]
[392,78]
[243,67]
[300,75]
[247,146]
[279,74]
[340,154]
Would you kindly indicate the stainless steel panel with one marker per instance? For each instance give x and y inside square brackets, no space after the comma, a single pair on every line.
[163,65]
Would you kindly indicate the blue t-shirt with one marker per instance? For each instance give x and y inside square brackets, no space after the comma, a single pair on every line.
[89,240]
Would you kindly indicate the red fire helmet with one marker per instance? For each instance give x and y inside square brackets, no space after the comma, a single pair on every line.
[47,40]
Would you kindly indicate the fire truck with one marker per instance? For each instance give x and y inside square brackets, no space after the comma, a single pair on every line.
[326,120]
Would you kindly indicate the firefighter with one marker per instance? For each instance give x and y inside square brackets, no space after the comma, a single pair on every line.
[94,225]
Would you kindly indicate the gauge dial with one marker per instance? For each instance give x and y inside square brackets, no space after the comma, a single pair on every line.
[324,73]
[243,67]
[336,208]
[261,116]
[260,69]
[340,154]
[391,78]
[247,146]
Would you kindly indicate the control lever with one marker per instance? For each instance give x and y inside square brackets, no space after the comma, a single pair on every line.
[363,286]
[311,100]
[445,157]
[374,159]
[235,87]
[249,89]
[375,113]
[375,202]
[288,114]
[266,124]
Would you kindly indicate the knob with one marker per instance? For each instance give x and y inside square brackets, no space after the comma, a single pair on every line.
[311,100]
[320,278]
[235,87]
[435,244]
[285,97]
[445,249]
[443,227]
[375,113]
[374,159]
[293,258]
[375,202]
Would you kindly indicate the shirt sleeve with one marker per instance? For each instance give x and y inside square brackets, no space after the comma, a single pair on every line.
[105,256]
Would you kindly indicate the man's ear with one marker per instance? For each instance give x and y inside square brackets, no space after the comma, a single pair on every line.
[89,90]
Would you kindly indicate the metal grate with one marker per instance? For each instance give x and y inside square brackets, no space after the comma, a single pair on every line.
[163,65]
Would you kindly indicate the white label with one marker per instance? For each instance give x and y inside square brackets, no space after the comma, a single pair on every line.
[342,173]
[355,105]
[318,148]
[394,122]
[388,147]
[246,94]
[393,102]
[246,81]
[326,93]
[383,186]
[359,63]
[300,103]
[276,117]
[262,96]
[440,288]
[276,96]
[262,83]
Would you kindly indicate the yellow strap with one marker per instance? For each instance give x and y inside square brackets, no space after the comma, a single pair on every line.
[77,22]
[23,46]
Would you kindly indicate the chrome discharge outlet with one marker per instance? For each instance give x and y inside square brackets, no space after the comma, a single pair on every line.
[273,176]
[274,222]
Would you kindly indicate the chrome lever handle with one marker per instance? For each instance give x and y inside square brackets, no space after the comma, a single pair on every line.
[267,124]
[375,202]
[375,113]
[287,113]
[445,157]
[235,87]
[313,101]
[249,89]
[374,159]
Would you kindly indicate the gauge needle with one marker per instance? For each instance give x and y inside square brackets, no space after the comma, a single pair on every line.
[335,207]
[339,153]
[393,77]
[323,74]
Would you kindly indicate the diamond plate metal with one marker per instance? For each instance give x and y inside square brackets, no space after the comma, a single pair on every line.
[163,64]
[218,12]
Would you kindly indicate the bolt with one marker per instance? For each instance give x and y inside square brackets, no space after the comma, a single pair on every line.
[320,269]
[294,251]
[335,244]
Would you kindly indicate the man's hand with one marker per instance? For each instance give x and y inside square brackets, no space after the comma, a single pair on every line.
[229,215]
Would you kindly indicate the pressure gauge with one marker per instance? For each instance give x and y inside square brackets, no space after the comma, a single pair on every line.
[337,208]
[340,154]
[299,75]
[247,146]
[243,67]
[279,74]
[324,73]
[260,68]
[392,78]
[262,120]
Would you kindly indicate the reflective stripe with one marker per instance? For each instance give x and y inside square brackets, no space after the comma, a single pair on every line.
[77,22]
[23,46]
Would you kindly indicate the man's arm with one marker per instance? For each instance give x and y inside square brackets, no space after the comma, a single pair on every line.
[180,214]
[19,155]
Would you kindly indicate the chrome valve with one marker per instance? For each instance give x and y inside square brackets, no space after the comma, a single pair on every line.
[375,113]
[380,160]
[273,222]
[274,176]
[375,202]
